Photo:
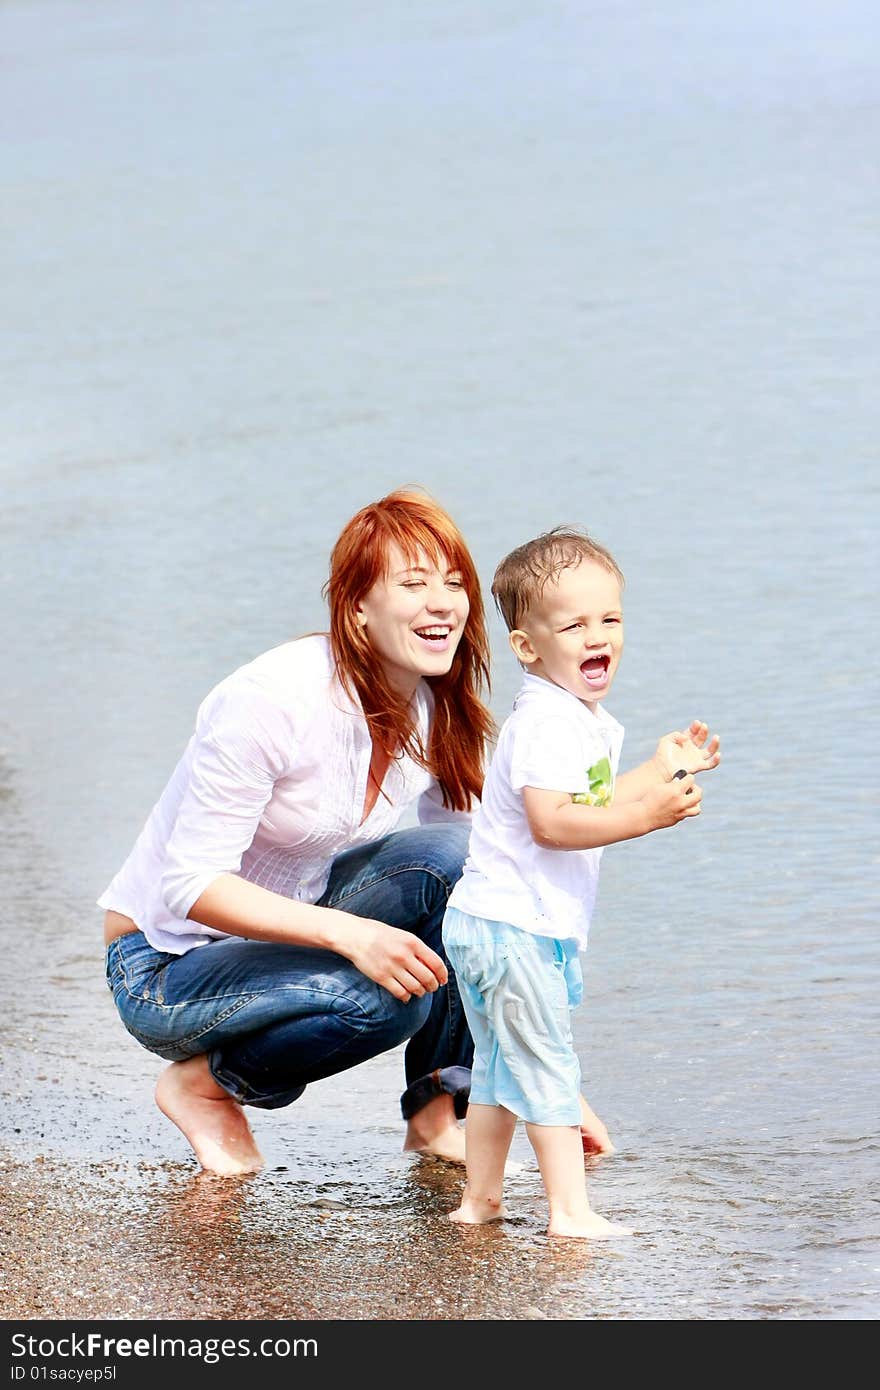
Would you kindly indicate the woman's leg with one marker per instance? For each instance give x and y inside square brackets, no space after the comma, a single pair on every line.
[272,1018]
[247,1022]
[342,1017]
[207,1116]
[204,1095]
[405,880]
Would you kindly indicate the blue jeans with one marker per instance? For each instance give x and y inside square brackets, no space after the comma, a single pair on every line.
[273,1017]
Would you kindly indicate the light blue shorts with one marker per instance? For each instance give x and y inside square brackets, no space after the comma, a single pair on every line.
[518,991]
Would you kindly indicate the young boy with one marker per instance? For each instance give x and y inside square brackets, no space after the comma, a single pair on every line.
[521,911]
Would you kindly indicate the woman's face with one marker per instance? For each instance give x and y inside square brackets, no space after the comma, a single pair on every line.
[414,617]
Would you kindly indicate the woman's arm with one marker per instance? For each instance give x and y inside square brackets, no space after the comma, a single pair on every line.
[244,744]
[395,959]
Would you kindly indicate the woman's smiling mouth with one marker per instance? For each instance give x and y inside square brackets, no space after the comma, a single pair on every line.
[435,636]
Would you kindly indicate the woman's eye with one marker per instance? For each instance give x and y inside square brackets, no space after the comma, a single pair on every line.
[412,583]
[455,584]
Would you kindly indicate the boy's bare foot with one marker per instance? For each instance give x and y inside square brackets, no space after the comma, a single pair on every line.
[208,1117]
[594,1135]
[478,1211]
[435,1132]
[589,1227]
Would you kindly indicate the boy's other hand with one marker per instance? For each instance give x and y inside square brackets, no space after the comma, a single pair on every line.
[671,802]
[690,748]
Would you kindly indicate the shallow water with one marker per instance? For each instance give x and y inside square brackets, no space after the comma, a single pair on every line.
[616,268]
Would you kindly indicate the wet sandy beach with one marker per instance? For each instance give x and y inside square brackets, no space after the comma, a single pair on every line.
[339,1225]
[744,1179]
[103,1213]
[189,1247]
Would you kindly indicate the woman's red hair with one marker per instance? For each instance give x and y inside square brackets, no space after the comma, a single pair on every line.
[461,723]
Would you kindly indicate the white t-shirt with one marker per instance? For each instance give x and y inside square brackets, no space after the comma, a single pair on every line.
[554,742]
[270,786]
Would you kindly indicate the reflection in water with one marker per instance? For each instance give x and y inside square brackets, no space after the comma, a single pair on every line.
[505,1268]
[432,1187]
[211,1238]
[268,1246]
[206,1208]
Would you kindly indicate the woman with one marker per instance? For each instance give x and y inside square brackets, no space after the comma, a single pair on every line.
[271,925]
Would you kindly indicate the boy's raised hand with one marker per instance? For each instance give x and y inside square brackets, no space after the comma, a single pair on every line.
[670,802]
[691,749]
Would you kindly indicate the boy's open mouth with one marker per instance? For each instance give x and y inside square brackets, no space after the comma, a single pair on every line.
[595,669]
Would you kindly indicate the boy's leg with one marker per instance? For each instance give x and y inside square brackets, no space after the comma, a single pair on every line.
[488,1132]
[560,1156]
[595,1139]
[594,1136]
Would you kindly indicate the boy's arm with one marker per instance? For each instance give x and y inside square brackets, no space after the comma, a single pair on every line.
[557,822]
[691,749]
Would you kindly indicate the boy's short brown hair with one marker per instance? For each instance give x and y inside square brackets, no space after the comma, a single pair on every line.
[522,576]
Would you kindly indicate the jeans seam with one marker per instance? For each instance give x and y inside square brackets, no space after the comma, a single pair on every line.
[134,993]
[393,873]
[190,1037]
[357,1024]
[116,961]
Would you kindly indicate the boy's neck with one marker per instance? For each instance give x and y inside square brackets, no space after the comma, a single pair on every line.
[592,705]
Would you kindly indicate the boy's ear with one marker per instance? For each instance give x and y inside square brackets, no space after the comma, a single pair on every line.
[521,643]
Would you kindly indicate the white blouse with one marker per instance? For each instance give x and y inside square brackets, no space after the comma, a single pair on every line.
[271,786]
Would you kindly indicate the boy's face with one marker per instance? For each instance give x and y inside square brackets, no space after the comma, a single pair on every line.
[573,635]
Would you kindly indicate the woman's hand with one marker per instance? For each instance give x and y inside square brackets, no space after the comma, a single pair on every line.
[397,960]
[691,749]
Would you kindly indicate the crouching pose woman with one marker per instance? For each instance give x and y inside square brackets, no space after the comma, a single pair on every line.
[272,926]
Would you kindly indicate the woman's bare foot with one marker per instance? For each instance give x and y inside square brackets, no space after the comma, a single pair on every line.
[435,1132]
[588,1227]
[207,1116]
[594,1135]
[477,1211]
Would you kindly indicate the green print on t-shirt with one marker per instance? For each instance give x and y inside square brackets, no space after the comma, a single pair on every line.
[601,785]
